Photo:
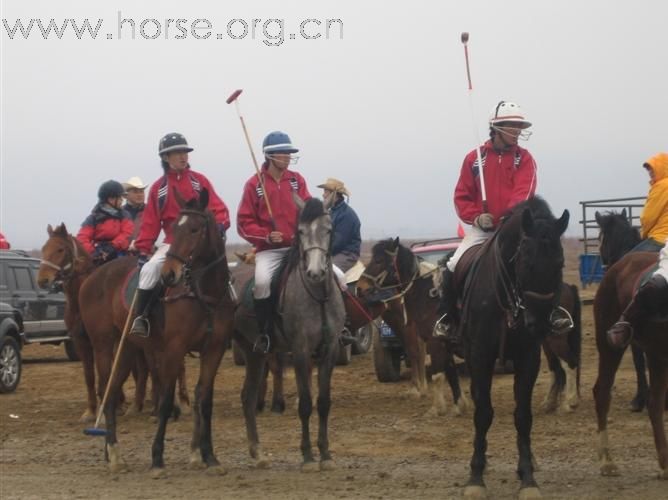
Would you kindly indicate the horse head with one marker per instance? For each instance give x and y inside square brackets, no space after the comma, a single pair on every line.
[195,238]
[389,268]
[616,236]
[536,260]
[60,255]
[314,238]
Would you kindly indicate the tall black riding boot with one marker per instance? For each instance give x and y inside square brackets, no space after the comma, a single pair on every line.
[446,325]
[264,312]
[141,326]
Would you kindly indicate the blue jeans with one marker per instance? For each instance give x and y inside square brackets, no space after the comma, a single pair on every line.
[648,245]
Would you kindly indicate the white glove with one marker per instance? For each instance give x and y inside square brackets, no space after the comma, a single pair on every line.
[484,221]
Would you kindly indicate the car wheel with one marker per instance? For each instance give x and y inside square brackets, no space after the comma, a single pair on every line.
[10,364]
[71,351]
[363,336]
[345,355]
[386,362]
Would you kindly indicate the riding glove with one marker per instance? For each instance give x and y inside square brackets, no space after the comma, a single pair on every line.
[484,221]
[221,230]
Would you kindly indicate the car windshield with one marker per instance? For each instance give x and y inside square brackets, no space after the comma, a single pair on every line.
[433,256]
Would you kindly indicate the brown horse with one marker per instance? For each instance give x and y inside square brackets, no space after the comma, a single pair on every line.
[197,315]
[613,295]
[64,260]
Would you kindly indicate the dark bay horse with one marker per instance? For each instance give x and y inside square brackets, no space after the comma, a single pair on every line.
[616,238]
[411,313]
[507,303]
[312,316]
[614,293]
[65,260]
[197,315]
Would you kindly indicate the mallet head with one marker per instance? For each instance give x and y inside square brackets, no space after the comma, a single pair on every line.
[234,96]
[465,36]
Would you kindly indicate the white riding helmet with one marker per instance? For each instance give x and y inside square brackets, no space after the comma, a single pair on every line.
[508,112]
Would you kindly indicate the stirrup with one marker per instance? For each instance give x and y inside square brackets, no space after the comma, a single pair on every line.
[345,338]
[442,328]
[262,344]
[561,321]
[141,327]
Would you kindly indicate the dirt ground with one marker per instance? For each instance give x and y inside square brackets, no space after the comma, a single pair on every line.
[383,440]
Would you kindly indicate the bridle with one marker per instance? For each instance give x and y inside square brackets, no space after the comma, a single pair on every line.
[191,277]
[67,271]
[328,266]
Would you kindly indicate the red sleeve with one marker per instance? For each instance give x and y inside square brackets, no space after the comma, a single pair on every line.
[467,192]
[150,223]
[247,217]
[524,180]
[85,237]
[4,244]
[216,205]
[122,241]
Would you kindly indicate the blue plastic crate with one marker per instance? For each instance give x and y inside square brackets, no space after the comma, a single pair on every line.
[591,269]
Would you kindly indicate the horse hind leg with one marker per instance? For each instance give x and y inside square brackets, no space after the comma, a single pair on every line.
[84,350]
[249,397]
[278,396]
[557,381]
[639,401]
[182,388]
[571,396]
[658,372]
[324,404]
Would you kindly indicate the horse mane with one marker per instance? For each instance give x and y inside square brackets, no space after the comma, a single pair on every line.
[536,204]
[620,234]
[405,257]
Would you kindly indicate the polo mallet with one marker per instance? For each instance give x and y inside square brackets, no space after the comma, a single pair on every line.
[95,430]
[465,39]
[234,99]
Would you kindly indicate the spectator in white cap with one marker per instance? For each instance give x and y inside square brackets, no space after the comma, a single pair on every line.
[135,201]
[346,226]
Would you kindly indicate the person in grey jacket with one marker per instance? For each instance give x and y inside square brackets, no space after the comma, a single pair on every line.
[345,225]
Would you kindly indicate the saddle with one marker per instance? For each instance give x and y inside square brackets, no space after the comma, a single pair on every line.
[464,266]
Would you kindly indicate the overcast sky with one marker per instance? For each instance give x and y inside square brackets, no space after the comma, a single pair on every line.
[384,108]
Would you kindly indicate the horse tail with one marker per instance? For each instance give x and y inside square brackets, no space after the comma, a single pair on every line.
[575,336]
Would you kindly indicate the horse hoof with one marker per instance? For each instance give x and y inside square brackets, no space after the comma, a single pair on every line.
[637,405]
[195,461]
[530,493]
[216,470]
[475,492]
[663,474]
[278,407]
[186,411]
[87,417]
[549,406]
[310,467]
[414,393]
[609,470]
[118,467]
[158,473]
[327,465]
[262,462]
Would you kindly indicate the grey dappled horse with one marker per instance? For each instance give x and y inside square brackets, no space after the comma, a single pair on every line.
[311,316]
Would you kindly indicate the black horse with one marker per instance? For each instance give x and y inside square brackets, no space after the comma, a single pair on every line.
[506,305]
[616,238]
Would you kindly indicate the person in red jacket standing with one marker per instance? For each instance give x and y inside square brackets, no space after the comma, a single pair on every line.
[272,238]
[106,232]
[160,213]
[510,178]
[4,244]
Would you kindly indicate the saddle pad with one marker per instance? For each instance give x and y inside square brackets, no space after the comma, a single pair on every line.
[353,274]
[130,284]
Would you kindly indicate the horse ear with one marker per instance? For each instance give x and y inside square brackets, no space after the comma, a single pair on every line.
[527,222]
[204,199]
[598,218]
[395,243]
[177,196]
[49,230]
[298,201]
[562,223]
[624,212]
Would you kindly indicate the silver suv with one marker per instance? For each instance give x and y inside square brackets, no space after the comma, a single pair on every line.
[41,312]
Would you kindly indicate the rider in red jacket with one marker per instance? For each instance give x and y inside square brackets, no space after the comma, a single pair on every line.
[161,212]
[510,178]
[4,244]
[106,232]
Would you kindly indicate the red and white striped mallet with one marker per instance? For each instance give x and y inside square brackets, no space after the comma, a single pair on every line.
[483,191]
[234,98]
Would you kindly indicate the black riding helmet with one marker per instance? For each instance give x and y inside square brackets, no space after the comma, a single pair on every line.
[110,189]
[173,142]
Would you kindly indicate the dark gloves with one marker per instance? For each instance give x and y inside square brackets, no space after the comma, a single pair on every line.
[103,252]
[142,259]
[484,221]
[222,230]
